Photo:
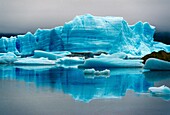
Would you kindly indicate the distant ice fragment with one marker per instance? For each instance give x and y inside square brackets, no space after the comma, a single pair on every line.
[94,72]
[120,55]
[34,61]
[8,58]
[156,64]
[70,61]
[160,90]
[107,62]
[49,55]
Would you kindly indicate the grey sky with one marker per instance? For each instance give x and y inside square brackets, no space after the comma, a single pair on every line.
[18,16]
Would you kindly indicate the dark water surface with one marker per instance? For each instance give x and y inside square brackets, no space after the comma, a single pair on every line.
[67,91]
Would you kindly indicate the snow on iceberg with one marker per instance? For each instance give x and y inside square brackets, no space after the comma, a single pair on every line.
[87,33]
[34,61]
[156,64]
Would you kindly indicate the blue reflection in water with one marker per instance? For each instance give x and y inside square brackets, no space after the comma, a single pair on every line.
[73,82]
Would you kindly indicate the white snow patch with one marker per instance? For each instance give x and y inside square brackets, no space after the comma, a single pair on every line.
[34,61]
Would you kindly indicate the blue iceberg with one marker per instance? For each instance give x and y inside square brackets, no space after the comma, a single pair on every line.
[87,33]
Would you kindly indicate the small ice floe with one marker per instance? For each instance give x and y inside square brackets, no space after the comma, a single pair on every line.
[44,54]
[35,68]
[160,90]
[111,63]
[157,64]
[70,61]
[34,61]
[120,55]
[92,73]
[7,58]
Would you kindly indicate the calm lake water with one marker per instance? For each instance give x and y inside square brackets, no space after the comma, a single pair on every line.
[50,90]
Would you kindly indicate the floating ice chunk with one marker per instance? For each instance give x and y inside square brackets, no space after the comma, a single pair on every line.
[69,61]
[160,90]
[157,64]
[8,58]
[35,68]
[49,55]
[62,53]
[120,55]
[91,73]
[111,63]
[34,61]
[94,72]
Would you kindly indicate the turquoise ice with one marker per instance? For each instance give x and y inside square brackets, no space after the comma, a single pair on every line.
[87,33]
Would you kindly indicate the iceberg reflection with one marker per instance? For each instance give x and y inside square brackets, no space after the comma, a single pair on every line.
[155,76]
[73,82]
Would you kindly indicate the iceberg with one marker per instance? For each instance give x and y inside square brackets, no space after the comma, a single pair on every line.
[109,34]
[49,55]
[106,62]
[91,73]
[34,61]
[70,61]
[8,58]
[87,33]
[156,64]
[160,90]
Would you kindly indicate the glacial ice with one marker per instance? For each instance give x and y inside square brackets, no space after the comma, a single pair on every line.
[8,58]
[106,62]
[160,90]
[49,55]
[157,64]
[34,61]
[96,73]
[87,33]
[70,61]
